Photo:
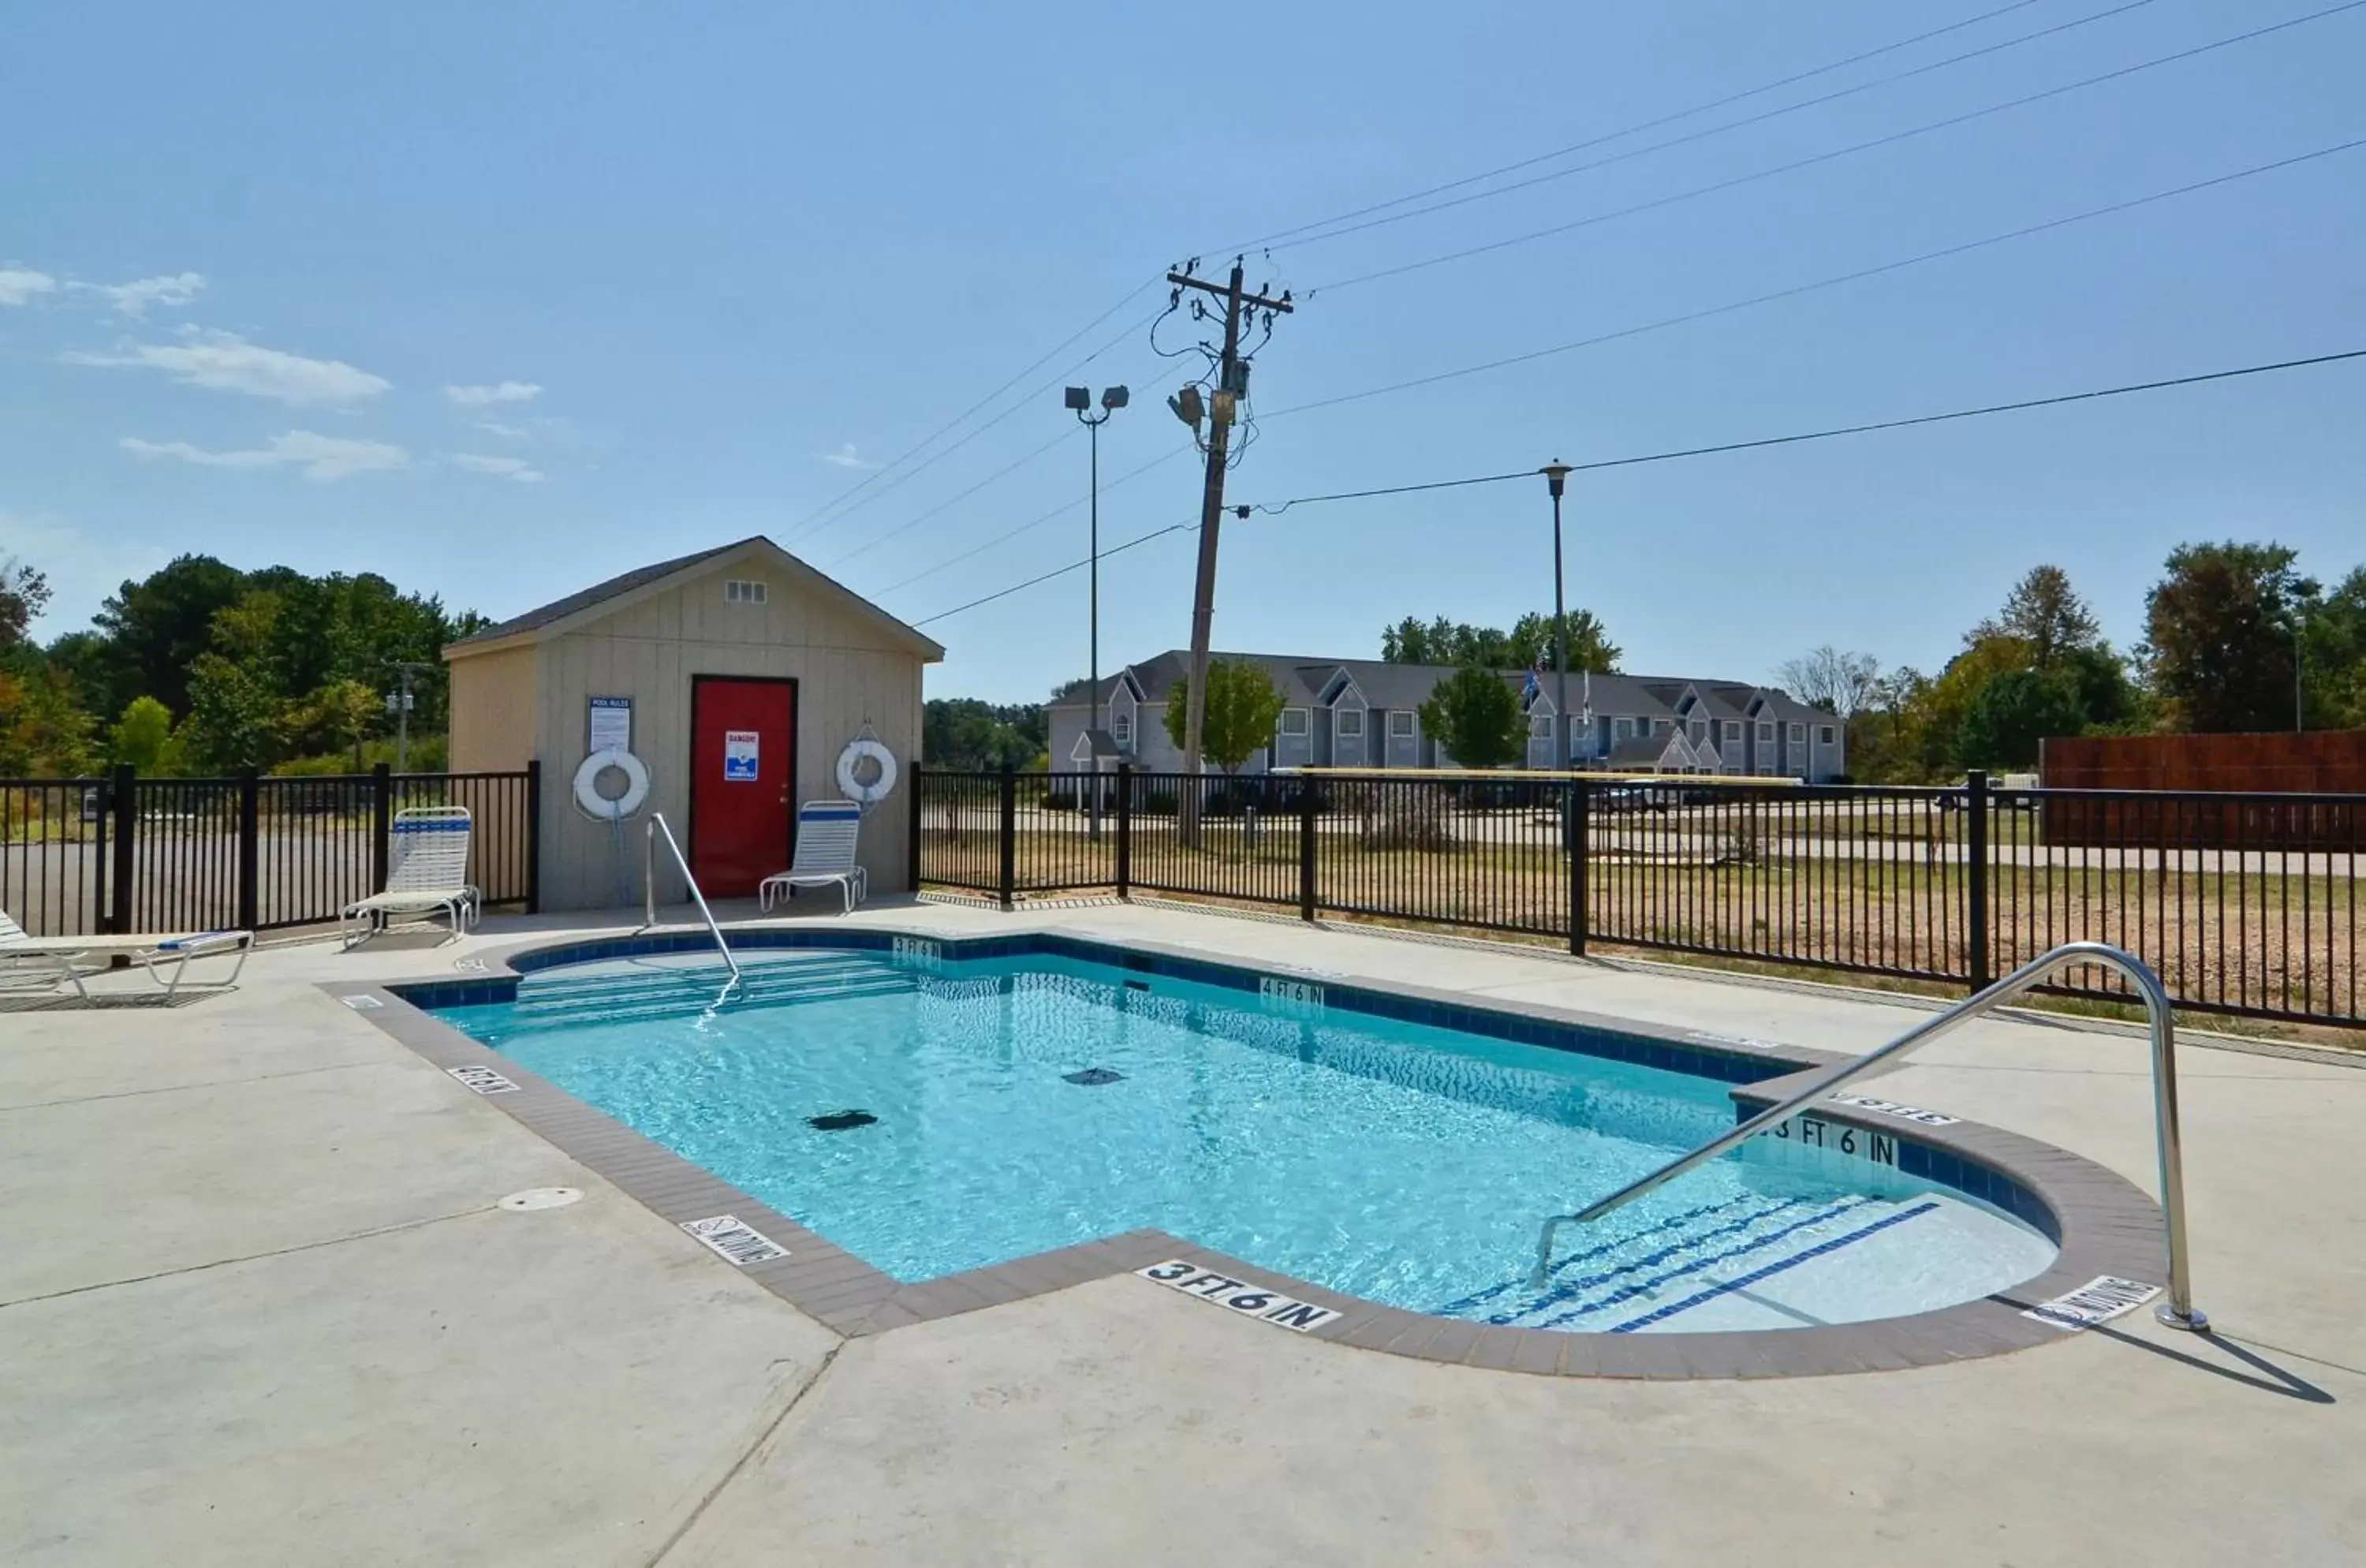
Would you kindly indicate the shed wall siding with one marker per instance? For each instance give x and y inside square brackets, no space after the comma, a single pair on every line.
[493,712]
[847,670]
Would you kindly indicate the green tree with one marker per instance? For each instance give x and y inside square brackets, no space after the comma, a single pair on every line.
[2220,627]
[44,731]
[24,593]
[1590,647]
[334,719]
[2012,713]
[1243,708]
[235,720]
[156,629]
[2045,611]
[143,738]
[1475,714]
[965,734]
[2333,656]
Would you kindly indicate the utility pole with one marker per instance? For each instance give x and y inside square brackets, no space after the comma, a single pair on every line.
[399,703]
[1232,386]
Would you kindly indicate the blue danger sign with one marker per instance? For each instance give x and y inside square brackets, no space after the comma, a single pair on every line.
[739,751]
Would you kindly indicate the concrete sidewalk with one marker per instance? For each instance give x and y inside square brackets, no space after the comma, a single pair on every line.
[258,1306]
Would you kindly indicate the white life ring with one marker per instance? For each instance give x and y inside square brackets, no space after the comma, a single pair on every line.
[852,787]
[587,784]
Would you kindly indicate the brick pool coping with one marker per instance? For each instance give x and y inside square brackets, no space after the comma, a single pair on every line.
[2103,1223]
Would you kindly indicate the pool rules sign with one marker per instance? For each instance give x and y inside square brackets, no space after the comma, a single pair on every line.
[1238,1295]
[739,751]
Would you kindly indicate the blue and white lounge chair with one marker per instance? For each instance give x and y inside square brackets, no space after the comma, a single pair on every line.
[826,835]
[427,874]
[65,960]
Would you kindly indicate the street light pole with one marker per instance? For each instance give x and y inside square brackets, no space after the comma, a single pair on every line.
[1555,473]
[1080,399]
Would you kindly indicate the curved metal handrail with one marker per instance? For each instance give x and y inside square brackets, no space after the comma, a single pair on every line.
[2177,1312]
[649,888]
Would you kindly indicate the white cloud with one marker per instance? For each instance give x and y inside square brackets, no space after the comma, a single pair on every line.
[319,457]
[133,299]
[19,285]
[500,392]
[515,432]
[846,457]
[516,469]
[228,362]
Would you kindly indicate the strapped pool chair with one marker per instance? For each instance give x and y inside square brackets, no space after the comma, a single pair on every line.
[427,874]
[826,835]
[65,960]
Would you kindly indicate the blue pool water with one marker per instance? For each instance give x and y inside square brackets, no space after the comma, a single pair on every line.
[1021,1104]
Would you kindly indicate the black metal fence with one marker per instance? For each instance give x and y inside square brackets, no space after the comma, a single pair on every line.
[2244,904]
[124,853]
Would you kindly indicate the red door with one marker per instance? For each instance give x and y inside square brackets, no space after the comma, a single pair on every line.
[742,762]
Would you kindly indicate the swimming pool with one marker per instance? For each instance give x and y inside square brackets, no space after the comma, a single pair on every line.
[933,1114]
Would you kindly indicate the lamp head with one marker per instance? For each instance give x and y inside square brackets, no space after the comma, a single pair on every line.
[1187,406]
[1555,473]
[1114,397]
[1079,399]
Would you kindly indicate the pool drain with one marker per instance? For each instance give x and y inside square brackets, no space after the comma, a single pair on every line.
[540,1198]
[1093,1078]
[839,1120]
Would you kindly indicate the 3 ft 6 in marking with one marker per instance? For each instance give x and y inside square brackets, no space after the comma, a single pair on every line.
[1239,1295]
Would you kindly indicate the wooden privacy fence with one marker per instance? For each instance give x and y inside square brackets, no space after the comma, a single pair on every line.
[1952,884]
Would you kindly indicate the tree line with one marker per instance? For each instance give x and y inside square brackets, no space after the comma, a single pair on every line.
[2236,639]
[203,669]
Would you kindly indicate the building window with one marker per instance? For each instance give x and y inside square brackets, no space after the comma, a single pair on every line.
[1664,725]
[742,591]
[1700,731]
[1765,734]
[1798,735]
[1351,724]
[1733,731]
[1122,729]
[1824,735]
[1401,724]
[1623,729]
[1294,721]
[1540,727]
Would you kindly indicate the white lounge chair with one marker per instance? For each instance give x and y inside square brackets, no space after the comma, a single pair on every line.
[427,874]
[65,960]
[826,832]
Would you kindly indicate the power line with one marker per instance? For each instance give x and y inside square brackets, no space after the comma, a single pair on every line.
[906,527]
[839,506]
[1681,454]
[1190,527]
[1890,140]
[1797,290]
[1637,129]
[1060,511]
[1759,118]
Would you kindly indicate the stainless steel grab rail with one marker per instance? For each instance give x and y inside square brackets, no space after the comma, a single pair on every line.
[649,886]
[2177,1312]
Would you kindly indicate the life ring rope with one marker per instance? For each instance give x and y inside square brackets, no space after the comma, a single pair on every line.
[598,806]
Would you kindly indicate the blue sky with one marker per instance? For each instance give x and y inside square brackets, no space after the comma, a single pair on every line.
[498,300]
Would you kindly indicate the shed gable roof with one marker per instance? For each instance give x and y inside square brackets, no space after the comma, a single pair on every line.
[606,597]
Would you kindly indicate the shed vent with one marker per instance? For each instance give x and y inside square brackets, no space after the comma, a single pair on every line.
[742,591]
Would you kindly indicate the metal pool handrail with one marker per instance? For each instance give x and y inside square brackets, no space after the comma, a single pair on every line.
[649,886]
[2177,1312]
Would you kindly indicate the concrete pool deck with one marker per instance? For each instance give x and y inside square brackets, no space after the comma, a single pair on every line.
[259,1305]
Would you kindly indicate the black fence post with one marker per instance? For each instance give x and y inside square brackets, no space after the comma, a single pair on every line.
[1976,851]
[1124,828]
[1577,813]
[534,836]
[250,850]
[913,809]
[125,796]
[1007,878]
[381,823]
[1307,866]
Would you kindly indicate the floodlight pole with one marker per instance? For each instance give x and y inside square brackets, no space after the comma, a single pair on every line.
[1555,473]
[1080,400]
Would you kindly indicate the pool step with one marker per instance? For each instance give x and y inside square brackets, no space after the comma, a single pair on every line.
[1655,1274]
[661,992]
